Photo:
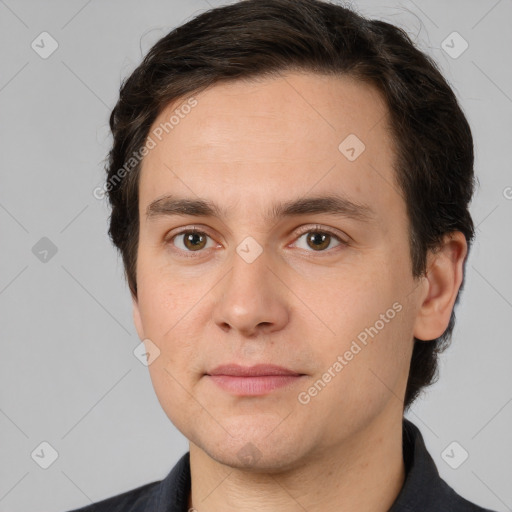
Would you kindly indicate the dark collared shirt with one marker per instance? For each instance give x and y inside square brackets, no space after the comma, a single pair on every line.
[423,490]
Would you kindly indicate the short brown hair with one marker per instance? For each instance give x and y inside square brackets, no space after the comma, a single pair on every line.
[259,38]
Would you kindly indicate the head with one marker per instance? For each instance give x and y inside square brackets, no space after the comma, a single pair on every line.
[250,108]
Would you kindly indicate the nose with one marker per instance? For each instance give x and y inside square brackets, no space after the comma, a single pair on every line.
[252,299]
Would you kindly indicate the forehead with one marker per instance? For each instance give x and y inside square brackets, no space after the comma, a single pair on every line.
[273,137]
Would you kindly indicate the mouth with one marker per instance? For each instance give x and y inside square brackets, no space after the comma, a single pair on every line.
[252,380]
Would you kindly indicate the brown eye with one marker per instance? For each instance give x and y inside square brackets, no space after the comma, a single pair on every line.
[191,240]
[318,240]
[194,240]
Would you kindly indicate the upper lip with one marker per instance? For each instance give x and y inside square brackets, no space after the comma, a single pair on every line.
[258,370]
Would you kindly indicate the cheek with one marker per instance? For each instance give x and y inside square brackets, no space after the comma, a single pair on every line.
[165,313]
[347,302]
[169,302]
[164,297]
[366,320]
[156,311]
[363,367]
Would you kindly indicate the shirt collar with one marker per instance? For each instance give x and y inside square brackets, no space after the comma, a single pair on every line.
[423,489]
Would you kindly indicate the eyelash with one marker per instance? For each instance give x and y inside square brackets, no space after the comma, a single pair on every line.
[303,231]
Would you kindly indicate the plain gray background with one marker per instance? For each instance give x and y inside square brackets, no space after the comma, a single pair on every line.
[68,375]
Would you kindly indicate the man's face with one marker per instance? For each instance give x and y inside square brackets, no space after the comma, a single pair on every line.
[329,296]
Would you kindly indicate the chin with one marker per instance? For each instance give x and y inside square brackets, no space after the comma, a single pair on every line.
[255,444]
[250,458]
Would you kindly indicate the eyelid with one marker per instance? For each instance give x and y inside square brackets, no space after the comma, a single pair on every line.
[186,229]
[343,243]
[171,235]
[323,229]
[298,233]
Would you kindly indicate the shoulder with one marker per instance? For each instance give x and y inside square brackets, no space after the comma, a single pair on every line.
[455,502]
[169,494]
[424,489]
[134,500]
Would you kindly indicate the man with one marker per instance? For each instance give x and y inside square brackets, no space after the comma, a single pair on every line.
[289,186]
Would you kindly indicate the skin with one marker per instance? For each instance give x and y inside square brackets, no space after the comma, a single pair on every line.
[245,146]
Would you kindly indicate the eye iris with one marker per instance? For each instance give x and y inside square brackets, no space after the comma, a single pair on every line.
[196,241]
[318,238]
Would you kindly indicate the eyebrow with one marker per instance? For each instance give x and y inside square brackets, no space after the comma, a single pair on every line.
[326,204]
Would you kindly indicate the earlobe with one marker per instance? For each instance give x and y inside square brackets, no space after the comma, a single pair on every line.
[445,270]
[137,319]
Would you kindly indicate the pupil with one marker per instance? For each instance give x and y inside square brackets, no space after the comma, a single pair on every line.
[318,240]
[194,239]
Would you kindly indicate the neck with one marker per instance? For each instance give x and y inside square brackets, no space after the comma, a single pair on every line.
[363,473]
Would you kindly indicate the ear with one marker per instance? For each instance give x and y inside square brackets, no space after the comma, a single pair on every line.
[445,271]
[136,318]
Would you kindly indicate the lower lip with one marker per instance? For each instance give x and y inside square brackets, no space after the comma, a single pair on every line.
[253,385]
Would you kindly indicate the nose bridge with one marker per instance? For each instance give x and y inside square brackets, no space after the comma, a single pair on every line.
[249,275]
[249,297]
